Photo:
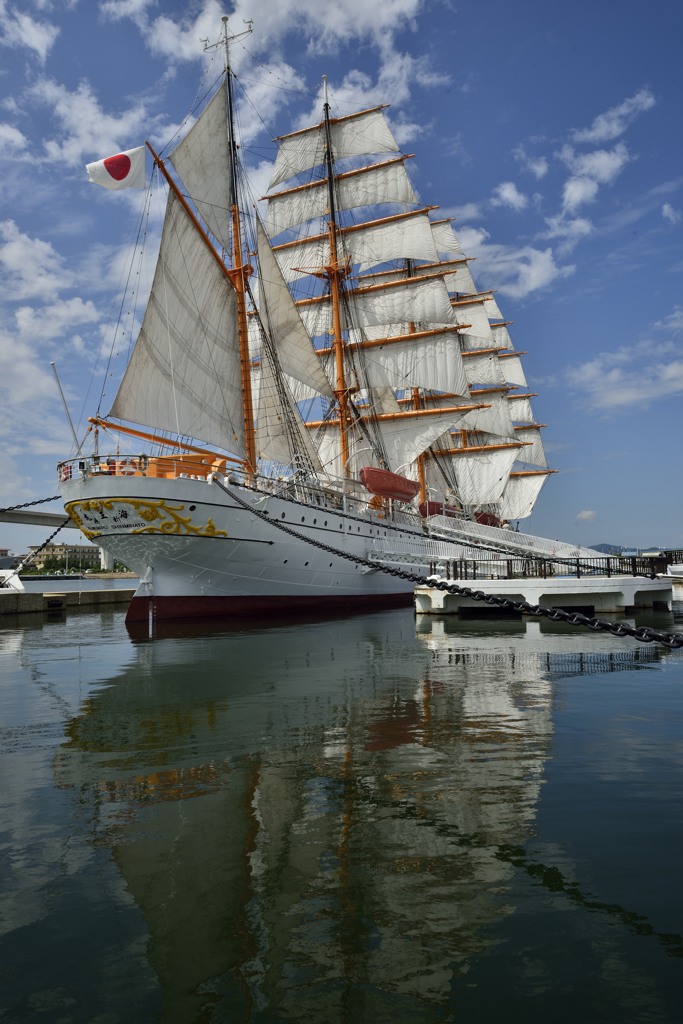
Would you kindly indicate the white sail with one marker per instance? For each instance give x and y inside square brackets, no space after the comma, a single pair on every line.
[445,239]
[460,280]
[483,368]
[377,184]
[482,475]
[205,148]
[512,370]
[520,409]
[355,135]
[184,374]
[495,419]
[422,300]
[478,333]
[281,318]
[276,419]
[404,437]
[520,494]
[402,237]
[432,362]
[491,307]
[534,453]
[501,336]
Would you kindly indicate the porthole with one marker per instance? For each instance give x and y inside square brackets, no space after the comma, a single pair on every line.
[303,519]
[282,516]
[192,508]
[305,563]
[285,561]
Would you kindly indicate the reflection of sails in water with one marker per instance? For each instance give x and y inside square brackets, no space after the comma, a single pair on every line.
[350,810]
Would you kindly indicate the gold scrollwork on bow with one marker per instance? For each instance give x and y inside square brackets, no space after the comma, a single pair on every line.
[160,517]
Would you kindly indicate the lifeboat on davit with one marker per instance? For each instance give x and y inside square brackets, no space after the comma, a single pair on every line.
[487,519]
[437,508]
[387,484]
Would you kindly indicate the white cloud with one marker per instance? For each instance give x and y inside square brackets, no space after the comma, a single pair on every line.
[615,121]
[18,29]
[466,212]
[673,323]
[12,138]
[569,230]
[601,166]
[507,194]
[32,268]
[586,516]
[538,165]
[670,214]
[632,376]
[578,191]
[86,132]
[517,272]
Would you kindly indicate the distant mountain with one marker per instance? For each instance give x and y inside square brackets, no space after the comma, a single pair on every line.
[619,549]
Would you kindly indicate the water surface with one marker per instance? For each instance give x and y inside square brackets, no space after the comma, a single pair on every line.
[364,819]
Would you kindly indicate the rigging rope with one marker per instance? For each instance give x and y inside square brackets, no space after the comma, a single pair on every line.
[643,633]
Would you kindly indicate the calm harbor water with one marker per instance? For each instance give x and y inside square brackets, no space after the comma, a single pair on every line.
[374,818]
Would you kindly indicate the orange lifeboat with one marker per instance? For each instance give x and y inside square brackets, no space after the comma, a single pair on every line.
[437,508]
[487,518]
[387,484]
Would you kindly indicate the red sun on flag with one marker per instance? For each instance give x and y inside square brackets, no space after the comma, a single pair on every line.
[118,166]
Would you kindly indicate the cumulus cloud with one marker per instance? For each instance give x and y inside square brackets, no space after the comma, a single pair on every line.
[32,269]
[18,29]
[513,271]
[586,516]
[578,191]
[616,120]
[86,131]
[601,165]
[507,194]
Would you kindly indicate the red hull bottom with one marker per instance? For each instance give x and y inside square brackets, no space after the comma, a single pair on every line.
[142,609]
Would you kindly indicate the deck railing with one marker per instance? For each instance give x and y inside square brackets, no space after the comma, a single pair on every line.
[545,568]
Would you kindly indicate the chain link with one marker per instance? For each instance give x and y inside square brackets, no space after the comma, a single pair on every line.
[27,504]
[619,629]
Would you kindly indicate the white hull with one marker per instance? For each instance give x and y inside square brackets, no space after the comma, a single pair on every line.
[198,551]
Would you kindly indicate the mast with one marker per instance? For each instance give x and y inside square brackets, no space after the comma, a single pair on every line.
[335,274]
[241,270]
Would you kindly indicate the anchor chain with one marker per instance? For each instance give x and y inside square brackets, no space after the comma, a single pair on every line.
[620,629]
[27,504]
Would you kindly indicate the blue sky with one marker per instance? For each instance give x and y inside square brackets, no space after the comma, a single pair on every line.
[552,133]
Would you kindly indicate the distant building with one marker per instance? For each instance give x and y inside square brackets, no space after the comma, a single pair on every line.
[76,557]
[8,561]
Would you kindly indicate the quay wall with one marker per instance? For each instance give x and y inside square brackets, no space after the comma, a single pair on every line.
[18,602]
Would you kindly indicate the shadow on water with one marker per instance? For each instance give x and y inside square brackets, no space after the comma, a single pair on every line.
[327,820]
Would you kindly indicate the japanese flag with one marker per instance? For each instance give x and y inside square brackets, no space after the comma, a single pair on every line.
[124,170]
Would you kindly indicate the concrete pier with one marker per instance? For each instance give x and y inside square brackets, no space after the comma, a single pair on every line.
[592,595]
[19,602]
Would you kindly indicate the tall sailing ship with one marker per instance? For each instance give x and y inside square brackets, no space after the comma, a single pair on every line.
[320,392]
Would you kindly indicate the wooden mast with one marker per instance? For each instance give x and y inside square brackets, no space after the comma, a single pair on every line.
[240,269]
[335,273]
